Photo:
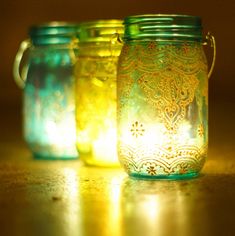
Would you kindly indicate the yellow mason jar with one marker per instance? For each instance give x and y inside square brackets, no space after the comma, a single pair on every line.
[95,74]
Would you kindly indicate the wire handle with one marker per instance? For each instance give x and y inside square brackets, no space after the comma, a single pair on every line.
[118,38]
[73,46]
[18,76]
[114,40]
[210,40]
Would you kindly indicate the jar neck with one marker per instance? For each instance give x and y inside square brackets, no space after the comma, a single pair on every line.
[163,28]
[99,49]
[50,41]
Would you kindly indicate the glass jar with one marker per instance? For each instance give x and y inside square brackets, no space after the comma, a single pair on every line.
[95,73]
[162,97]
[48,83]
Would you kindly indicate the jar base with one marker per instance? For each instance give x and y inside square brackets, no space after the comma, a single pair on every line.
[101,165]
[89,159]
[52,158]
[165,177]
[97,163]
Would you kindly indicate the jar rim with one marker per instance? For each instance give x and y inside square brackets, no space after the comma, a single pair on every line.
[152,17]
[102,23]
[100,30]
[53,28]
[54,32]
[163,26]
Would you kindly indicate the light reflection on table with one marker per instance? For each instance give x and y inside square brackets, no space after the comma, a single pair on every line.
[67,198]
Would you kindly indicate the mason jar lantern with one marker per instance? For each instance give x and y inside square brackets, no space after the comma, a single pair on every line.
[48,89]
[162,97]
[95,72]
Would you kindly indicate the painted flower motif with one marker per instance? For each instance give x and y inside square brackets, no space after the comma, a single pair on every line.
[152,45]
[125,50]
[151,170]
[181,168]
[137,129]
[127,167]
[200,130]
[186,49]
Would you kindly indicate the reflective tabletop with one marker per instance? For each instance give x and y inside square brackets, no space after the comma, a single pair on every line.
[67,198]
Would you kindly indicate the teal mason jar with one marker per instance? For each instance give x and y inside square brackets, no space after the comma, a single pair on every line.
[162,97]
[48,89]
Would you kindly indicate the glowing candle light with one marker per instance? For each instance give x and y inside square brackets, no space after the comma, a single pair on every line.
[162,97]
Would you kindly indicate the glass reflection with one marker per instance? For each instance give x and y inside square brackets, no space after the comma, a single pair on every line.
[158,208]
[72,219]
[114,207]
[100,202]
[93,201]
[140,208]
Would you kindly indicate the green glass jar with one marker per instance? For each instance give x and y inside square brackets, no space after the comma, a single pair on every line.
[95,73]
[48,89]
[162,97]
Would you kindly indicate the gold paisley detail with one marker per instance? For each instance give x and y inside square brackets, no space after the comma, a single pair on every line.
[170,93]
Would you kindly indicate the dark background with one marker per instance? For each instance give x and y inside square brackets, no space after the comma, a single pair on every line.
[218,17]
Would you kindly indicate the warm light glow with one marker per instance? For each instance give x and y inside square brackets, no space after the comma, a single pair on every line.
[71,183]
[53,138]
[146,207]
[164,151]
[150,207]
[113,224]
[101,150]
[61,134]
[115,190]
[155,144]
[105,147]
[71,210]
[149,139]
[156,134]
